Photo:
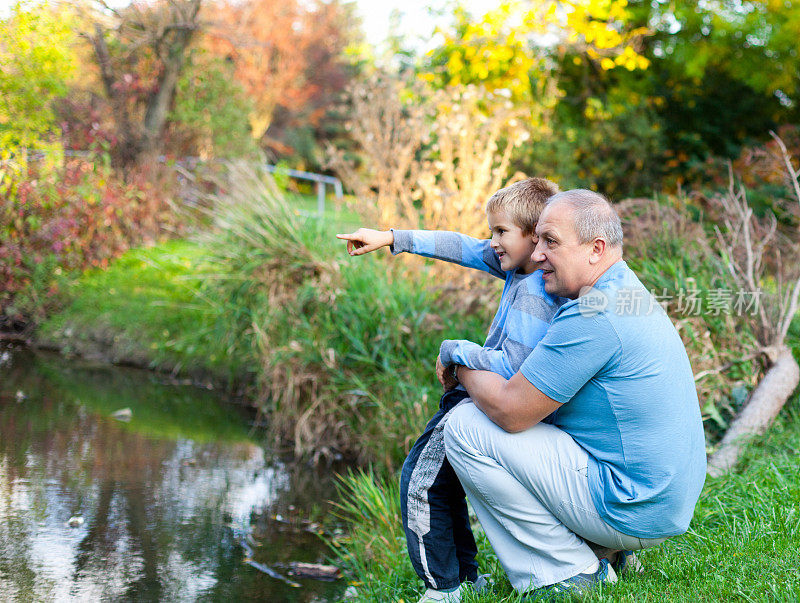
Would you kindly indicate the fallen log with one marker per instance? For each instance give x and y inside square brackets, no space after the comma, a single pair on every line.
[13,337]
[765,403]
[314,571]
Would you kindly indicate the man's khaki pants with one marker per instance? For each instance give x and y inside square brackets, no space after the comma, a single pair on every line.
[531,494]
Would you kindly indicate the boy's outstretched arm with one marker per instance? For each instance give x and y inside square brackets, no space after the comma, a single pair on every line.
[365,240]
[448,246]
[452,247]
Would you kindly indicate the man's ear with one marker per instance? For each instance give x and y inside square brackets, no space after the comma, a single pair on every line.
[598,249]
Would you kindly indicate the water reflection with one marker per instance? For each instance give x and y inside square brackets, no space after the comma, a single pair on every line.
[163,498]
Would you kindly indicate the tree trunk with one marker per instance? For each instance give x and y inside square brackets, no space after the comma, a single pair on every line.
[159,102]
[765,403]
[131,144]
[167,31]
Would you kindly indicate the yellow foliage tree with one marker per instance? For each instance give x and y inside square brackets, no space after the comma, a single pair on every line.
[512,47]
[37,57]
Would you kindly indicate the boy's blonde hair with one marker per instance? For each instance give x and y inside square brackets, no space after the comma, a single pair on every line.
[524,201]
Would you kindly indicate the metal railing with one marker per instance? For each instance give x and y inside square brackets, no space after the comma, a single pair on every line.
[321,180]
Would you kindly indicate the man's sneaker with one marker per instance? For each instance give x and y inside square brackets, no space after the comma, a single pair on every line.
[454,596]
[577,585]
[627,563]
[481,583]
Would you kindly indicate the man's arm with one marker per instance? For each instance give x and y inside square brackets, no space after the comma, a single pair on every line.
[514,404]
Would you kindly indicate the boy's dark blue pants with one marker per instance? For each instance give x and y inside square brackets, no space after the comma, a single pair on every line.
[434,507]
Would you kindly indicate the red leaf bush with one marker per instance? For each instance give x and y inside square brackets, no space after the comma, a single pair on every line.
[77,217]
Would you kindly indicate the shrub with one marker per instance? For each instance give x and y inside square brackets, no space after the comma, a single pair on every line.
[428,158]
[71,218]
[671,253]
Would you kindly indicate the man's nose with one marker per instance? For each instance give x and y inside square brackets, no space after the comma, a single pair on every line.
[538,252]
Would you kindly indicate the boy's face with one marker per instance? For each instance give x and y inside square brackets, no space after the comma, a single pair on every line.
[512,246]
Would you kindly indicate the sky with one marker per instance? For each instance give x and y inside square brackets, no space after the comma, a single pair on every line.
[416,20]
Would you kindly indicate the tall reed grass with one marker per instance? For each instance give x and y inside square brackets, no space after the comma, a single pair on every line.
[346,346]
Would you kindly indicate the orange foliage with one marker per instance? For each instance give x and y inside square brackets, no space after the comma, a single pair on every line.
[287,55]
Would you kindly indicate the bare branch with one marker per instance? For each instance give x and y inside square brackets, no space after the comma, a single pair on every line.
[727,365]
[794,176]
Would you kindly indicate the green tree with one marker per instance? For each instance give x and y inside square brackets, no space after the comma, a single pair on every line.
[722,75]
[209,114]
[37,55]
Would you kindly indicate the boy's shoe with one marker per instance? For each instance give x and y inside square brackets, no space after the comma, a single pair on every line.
[627,563]
[577,585]
[432,595]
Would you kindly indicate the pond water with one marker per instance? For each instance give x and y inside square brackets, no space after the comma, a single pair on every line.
[163,506]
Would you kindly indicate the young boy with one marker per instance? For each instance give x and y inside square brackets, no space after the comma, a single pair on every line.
[440,541]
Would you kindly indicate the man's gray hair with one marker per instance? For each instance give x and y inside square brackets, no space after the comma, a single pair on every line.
[593,216]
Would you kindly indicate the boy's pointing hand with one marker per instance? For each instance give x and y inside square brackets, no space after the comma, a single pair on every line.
[365,240]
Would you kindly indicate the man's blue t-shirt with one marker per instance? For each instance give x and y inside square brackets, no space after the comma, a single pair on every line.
[616,363]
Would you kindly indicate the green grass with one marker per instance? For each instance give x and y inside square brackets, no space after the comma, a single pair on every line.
[336,212]
[743,544]
[145,307]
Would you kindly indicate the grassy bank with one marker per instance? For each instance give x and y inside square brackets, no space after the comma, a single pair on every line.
[743,544]
[338,353]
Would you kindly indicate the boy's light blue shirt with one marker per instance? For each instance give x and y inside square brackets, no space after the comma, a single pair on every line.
[522,317]
[616,363]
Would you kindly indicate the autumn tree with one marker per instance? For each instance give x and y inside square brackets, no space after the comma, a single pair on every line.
[288,56]
[516,45]
[719,75]
[546,55]
[140,51]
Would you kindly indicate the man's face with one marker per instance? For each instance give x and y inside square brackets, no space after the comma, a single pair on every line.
[512,246]
[563,259]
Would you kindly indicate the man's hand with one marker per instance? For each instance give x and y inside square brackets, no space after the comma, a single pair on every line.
[365,240]
[445,375]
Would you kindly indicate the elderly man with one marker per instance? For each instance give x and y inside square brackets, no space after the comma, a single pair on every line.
[598,438]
